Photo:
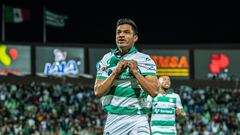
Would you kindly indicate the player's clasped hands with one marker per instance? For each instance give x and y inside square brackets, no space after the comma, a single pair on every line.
[132,64]
[123,64]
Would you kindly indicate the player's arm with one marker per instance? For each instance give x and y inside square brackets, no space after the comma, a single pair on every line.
[179,109]
[102,87]
[180,112]
[148,83]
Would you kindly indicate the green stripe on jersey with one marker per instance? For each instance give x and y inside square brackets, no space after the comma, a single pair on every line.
[163,111]
[163,123]
[101,77]
[163,133]
[124,92]
[165,99]
[125,110]
[149,73]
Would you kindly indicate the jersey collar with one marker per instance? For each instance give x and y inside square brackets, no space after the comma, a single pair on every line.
[168,92]
[116,51]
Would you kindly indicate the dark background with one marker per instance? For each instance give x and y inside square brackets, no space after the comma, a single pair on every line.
[95,22]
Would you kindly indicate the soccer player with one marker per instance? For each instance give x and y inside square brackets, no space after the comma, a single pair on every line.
[165,106]
[125,77]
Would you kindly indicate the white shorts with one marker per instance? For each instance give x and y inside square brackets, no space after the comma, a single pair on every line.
[126,125]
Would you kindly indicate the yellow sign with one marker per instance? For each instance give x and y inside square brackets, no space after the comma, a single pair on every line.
[171,65]
[4,58]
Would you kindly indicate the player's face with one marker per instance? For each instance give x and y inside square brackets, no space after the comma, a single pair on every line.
[125,37]
[165,82]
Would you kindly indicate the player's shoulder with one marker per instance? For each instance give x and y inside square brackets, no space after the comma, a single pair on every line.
[142,54]
[171,92]
[107,56]
[175,94]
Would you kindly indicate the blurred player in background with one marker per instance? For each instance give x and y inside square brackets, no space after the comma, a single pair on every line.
[165,106]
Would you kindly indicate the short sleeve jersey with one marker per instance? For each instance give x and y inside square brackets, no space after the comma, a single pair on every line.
[163,113]
[126,95]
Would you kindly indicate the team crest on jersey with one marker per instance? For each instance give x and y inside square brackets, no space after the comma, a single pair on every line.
[171,100]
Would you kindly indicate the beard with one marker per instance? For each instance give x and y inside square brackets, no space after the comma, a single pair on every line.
[119,44]
[164,88]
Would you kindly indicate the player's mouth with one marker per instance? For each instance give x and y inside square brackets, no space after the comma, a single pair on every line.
[166,85]
[121,41]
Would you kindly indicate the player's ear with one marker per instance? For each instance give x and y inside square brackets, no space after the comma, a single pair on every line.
[135,38]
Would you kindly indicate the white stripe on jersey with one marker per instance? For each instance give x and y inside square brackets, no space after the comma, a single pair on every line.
[164,128]
[163,105]
[127,125]
[133,83]
[164,117]
[106,99]
[125,101]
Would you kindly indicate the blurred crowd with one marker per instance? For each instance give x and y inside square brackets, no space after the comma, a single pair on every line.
[46,109]
[210,111]
[70,109]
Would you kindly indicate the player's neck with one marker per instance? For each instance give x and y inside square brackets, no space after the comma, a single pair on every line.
[123,51]
[163,91]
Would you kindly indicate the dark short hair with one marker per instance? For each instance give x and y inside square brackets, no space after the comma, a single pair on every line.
[130,22]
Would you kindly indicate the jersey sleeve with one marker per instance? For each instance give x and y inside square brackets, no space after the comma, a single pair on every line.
[149,101]
[178,102]
[101,69]
[147,66]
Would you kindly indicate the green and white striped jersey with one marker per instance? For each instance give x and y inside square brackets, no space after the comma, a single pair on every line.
[163,118]
[126,95]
